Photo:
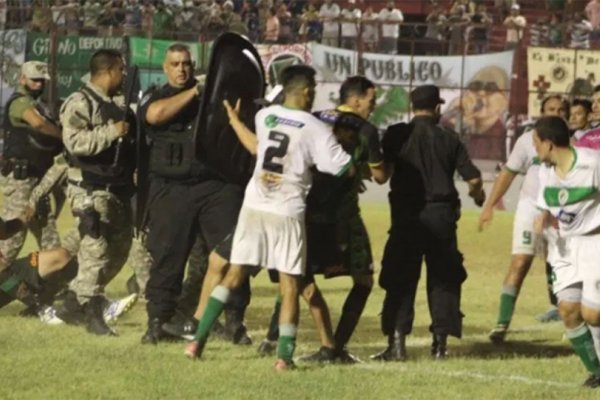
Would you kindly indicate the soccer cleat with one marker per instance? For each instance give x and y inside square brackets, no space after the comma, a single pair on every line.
[343,356]
[48,316]
[194,349]
[184,328]
[283,365]
[592,382]
[498,334]
[324,355]
[115,308]
[549,316]
[267,347]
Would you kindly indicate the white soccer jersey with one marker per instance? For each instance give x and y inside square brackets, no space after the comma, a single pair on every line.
[290,142]
[524,160]
[574,200]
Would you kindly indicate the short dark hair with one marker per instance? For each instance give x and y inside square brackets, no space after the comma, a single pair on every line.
[548,98]
[178,48]
[355,86]
[584,103]
[554,129]
[104,59]
[297,76]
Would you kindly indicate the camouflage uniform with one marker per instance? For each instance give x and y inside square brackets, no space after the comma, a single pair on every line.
[105,244]
[16,196]
[140,261]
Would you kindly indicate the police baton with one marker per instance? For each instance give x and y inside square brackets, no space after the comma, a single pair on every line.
[130,85]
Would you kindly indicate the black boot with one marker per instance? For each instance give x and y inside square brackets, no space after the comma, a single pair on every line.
[155,333]
[94,317]
[438,347]
[235,330]
[71,311]
[396,350]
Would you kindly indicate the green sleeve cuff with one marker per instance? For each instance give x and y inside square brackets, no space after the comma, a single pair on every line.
[345,168]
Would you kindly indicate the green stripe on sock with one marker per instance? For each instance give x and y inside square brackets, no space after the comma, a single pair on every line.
[583,344]
[507,308]
[214,308]
[286,345]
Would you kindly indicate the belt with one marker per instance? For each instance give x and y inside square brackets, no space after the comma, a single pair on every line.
[114,189]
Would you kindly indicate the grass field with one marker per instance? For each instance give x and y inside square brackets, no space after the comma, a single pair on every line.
[39,362]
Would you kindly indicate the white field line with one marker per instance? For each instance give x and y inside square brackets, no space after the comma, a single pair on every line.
[465,374]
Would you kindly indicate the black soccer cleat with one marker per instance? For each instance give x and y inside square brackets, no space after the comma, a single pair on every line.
[184,328]
[324,355]
[498,334]
[592,382]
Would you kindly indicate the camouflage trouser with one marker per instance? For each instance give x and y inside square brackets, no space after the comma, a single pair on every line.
[140,261]
[43,226]
[104,250]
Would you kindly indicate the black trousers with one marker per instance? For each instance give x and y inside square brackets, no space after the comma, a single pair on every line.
[177,213]
[429,234]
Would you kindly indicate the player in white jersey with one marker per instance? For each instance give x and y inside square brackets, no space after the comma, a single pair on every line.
[522,160]
[570,197]
[270,231]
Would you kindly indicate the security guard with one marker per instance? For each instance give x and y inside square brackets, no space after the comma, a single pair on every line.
[424,208]
[186,197]
[31,140]
[101,154]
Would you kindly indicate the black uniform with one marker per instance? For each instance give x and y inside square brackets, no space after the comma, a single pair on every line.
[186,197]
[425,207]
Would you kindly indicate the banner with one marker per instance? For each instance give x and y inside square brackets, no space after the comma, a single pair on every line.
[569,72]
[12,53]
[73,55]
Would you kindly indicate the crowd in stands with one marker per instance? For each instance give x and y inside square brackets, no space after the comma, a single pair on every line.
[456,27]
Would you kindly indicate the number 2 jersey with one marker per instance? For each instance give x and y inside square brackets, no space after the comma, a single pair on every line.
[574,200]
[290,142]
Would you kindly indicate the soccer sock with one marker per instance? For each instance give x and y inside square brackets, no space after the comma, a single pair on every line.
[287,342]
[273,332]
[583,344]
[214,307]
[351,312]
[595,332]
[508,299]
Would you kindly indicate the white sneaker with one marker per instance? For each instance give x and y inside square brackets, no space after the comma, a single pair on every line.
[48,316]
[115,308]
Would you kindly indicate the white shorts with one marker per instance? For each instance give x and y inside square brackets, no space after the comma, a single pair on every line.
[524,240]
[559,250]
[269,241]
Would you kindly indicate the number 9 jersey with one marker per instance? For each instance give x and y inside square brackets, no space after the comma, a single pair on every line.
[290,143]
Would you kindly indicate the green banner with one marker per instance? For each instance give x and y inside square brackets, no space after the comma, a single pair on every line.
[73,54]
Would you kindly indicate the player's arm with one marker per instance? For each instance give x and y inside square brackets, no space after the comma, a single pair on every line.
[163,110]
[245,135]
[36,121]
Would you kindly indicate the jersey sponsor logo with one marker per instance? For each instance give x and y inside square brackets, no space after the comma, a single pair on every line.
[272,120]
[566,217]
[561,196]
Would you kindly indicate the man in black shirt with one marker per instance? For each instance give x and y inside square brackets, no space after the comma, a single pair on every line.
[424,207]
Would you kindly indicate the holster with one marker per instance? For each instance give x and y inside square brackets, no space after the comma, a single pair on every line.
[89,222]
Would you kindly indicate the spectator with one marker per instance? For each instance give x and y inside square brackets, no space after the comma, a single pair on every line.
[272,29]
[285,24]
[436,31]
[479,33]
[72,17]
[350,22]
[592,11]
[468,6]
[147,16]
[539,33]
[188,21]
[92,9]
[515,25]
[263,7]
[249,15]
[555,5]
[580,30]
[162,20]
[232,22]
[58,14]
[41,19]
[311,26]
[458,23]
[329,14]
[133,18]
[370,29]
[555,31]
[390,18]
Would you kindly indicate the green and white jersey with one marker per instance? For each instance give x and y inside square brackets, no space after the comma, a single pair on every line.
[524,160]
[574,200]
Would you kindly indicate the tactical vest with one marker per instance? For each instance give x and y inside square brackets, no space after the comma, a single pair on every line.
[172,148]
[26,144]
[113,166]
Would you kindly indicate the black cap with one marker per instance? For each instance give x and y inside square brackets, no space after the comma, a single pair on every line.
[426,97]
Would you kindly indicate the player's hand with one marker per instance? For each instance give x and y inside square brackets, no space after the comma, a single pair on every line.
[233,113]
[122,128]
[485,218]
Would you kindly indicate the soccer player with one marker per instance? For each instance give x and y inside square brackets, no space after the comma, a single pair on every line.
[579,122]
[570,195]
[522,160]
[270,230]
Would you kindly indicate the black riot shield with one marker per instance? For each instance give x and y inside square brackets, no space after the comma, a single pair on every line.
[235,72]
